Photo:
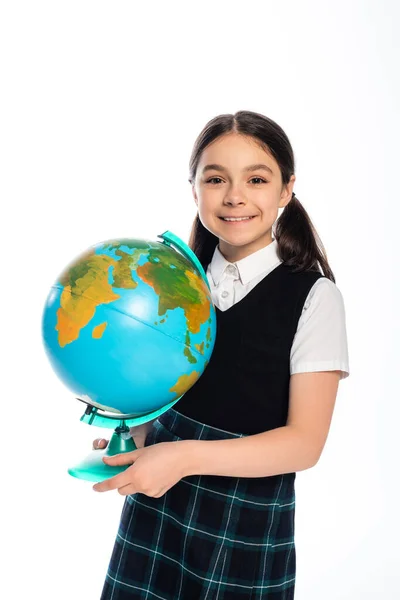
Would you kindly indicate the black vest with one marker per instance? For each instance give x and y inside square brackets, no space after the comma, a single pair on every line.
[245,386]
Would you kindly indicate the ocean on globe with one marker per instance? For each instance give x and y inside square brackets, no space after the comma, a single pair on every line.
[129,326]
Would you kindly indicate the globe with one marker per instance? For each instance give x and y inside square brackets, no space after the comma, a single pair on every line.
[129,326]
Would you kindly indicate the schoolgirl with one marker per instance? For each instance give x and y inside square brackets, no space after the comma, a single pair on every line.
[210,498]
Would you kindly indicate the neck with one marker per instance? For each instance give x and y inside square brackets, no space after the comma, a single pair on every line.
[235,253]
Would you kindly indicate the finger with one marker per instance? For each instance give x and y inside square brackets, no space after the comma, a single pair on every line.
[113,483]
[126,490]
[126,458]
[100,443]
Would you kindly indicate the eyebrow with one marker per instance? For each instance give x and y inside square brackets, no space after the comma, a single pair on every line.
[215,167]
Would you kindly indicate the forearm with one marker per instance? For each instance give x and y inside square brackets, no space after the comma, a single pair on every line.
[274,452]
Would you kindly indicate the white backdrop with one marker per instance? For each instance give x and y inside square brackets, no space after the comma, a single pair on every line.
[101,104]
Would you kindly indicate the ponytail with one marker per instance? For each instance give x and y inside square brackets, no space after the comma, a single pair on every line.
[299,245]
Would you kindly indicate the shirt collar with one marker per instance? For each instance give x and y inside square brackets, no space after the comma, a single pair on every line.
[261,261]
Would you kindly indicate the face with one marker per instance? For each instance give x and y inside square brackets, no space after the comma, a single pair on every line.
[233,188]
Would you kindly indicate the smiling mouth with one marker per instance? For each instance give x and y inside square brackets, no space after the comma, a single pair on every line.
[236,219]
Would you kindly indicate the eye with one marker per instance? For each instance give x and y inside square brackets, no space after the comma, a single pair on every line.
[212,178]
[260,179]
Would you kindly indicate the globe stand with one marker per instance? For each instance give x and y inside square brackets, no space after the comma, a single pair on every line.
[92,467]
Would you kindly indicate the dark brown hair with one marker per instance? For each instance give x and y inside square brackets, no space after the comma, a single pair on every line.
[299,245]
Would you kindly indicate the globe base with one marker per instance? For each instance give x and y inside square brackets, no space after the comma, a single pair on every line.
[92,467]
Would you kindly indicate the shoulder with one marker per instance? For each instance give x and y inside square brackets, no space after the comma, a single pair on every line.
[325,293]
[299,277]
[318,287]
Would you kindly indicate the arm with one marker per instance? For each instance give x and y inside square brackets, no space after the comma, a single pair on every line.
[295,447]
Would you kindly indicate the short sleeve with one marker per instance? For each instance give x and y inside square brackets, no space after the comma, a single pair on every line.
[320,342]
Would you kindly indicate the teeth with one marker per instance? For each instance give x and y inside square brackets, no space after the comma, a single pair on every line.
[236,219]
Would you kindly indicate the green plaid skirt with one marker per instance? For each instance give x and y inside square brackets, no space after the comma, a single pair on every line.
[207,538]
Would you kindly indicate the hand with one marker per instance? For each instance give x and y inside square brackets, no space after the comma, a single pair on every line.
[153,471]
[100,444]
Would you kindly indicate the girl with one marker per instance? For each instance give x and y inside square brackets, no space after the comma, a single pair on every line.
[210,505]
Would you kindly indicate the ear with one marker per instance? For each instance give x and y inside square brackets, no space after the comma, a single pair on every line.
[285,199]
[286,195]
[195,196]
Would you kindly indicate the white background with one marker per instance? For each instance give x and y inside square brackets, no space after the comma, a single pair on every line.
[101,104]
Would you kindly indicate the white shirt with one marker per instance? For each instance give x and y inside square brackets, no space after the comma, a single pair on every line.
[320,342]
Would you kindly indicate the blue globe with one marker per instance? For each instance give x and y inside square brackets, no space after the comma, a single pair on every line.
[129,326]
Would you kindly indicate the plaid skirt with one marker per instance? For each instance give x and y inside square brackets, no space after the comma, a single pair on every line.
[208,537]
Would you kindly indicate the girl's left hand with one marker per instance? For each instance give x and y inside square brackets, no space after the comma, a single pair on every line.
[153,471]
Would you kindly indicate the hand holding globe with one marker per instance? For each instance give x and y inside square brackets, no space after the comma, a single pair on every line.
[129,327]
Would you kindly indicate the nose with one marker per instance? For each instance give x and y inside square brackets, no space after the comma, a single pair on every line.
[234,200]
